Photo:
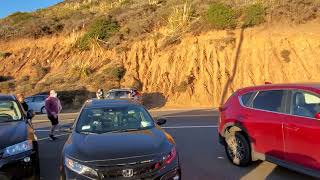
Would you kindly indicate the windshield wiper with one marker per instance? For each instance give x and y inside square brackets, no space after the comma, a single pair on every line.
[87,133]
[8,121]
[128,130]
[120,130]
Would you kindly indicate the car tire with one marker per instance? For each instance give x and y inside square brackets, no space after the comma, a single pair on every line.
[43,110]
[238,149]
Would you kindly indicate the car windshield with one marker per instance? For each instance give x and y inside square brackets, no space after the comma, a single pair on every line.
[116,119]
[9,111]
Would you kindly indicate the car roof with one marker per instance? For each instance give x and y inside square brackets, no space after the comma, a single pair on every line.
[283,86]
[102,103]
[7,97]
[38,95]
[122,89]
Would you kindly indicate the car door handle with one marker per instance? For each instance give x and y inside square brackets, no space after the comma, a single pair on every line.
[291,127]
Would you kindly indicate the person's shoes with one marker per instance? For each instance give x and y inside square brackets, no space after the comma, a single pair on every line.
[52,138]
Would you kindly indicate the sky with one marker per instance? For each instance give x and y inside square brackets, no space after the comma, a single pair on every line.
[8,7]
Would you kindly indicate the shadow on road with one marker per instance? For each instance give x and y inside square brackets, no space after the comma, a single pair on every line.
[154,100]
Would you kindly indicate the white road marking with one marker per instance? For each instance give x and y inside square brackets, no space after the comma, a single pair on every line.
[47,138]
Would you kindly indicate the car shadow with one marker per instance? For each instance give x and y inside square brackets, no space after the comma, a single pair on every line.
[154,100]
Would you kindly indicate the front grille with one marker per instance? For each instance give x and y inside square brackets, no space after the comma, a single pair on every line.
[141,170]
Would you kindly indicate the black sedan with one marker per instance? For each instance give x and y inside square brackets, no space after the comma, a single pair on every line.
[18,146]
[115,139]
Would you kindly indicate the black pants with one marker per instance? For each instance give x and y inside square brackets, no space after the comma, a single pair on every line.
[54,121]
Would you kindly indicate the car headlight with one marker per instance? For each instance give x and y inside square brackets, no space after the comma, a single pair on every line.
[80,169]
[18,148]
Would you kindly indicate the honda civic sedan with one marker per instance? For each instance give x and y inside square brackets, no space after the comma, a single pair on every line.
[116,139]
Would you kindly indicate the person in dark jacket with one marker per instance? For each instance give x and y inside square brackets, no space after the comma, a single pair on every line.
[53,108]
[21,99]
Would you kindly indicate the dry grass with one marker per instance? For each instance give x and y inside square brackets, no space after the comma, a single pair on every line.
[178,20]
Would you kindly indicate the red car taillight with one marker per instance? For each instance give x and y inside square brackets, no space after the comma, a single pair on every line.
[171,156]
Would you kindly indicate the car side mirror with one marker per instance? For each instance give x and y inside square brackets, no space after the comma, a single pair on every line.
[317,116]
[30,114]
[161,121]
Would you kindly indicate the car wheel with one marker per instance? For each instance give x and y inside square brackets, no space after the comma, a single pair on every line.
[43,110]
[238,149]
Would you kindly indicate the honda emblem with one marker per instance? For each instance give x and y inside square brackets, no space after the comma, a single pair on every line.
[127,172]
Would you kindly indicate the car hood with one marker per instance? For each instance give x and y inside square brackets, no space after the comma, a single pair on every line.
[12,133]
[117,146]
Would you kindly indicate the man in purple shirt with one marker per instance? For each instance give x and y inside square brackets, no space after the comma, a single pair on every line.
[53,108]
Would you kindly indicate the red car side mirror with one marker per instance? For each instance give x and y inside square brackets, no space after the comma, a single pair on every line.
[317,116]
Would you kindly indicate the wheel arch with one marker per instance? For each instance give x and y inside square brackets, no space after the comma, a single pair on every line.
[237,127]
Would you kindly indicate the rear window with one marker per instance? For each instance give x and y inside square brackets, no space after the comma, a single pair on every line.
[118,94]
[269,100]
[245,99]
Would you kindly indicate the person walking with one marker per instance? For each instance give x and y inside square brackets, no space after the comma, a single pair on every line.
[53,108]
[22,101]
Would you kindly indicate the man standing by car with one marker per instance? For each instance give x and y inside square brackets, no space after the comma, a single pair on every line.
[21,99]
[53,108]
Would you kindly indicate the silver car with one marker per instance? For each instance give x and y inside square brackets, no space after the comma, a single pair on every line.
[37,103]
[125,94]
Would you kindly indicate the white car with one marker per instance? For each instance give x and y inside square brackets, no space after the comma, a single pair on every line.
[37,103]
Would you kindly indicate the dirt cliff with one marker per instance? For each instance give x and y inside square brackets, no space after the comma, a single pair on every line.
[200,70]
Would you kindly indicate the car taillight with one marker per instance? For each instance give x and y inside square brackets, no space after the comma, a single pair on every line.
[171,156]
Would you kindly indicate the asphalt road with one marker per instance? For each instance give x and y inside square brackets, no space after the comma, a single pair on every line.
[195,132]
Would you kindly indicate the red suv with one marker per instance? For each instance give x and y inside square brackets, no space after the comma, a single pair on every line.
[276,123]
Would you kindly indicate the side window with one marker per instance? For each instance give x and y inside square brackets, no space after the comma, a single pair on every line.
[38,99]
[245,99]
[29,99]
[305,104]
[269,100]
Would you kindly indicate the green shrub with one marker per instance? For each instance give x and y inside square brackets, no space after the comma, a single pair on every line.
[100,29]
[5,54]
[5,78]
[115,72]
[84,42]
[82,68]
[19,17]
[222,16]
[254,15]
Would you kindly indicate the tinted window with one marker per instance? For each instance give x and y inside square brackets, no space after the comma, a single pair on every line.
[9,111]
[104,120]
[118,94]
[246,97]
[269,100]
[39,98]
[28,99]
[305,104]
